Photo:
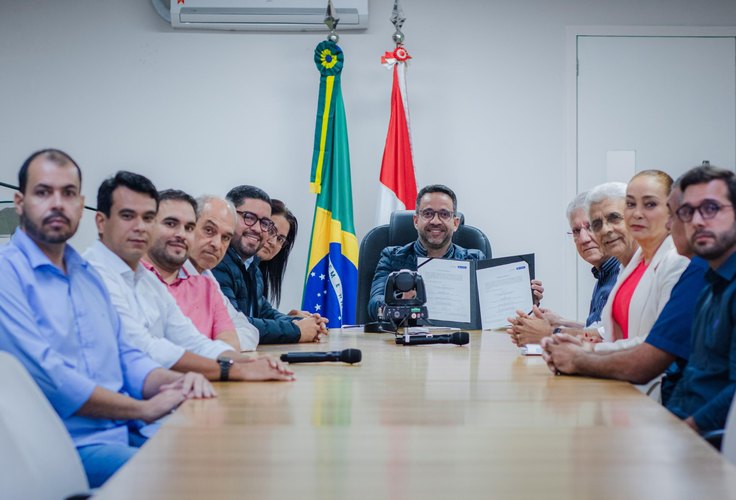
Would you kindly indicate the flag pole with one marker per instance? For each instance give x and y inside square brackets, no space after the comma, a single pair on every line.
[397,182]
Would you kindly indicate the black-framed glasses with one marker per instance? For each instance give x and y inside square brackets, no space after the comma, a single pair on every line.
[279,239]
[612,218]
[575,232]
[707,210]
[428,214]
[250,219]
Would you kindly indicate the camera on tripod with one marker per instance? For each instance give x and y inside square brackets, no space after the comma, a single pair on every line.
[401,311]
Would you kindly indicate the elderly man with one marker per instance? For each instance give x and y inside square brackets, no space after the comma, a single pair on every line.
[525,329]
[216,221]
[668,340]
[436,221]
[57,319]
[604,205]
[127,205]
[242,281]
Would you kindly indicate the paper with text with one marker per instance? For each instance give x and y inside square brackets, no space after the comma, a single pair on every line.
[447,283]
[502,290]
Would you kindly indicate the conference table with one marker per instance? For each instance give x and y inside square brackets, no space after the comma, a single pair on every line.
[430,422]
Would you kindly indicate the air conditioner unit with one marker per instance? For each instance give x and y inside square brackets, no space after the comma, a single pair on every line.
[263,15]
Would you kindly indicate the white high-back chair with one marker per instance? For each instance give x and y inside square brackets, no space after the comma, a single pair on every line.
[729,435]
[37,456]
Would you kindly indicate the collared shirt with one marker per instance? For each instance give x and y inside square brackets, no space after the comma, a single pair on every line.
[149,313]
[65,331]
[199,299]
[247,333]
[709,379]
[605,279]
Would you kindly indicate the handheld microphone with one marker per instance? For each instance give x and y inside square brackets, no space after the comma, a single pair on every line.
[346,356]
[457,338]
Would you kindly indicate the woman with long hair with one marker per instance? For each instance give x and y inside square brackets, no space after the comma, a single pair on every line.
[274,254]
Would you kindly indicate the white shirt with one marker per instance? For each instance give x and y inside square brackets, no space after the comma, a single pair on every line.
[247,332]
[149,313]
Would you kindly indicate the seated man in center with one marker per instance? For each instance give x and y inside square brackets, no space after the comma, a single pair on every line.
[436,221]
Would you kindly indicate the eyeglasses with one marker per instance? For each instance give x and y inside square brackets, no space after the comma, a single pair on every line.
[575,233]
[613,218]
[250,219]
[428,214]
[280,239]
[707,210]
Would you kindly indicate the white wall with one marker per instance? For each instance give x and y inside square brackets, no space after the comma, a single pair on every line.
[112,84]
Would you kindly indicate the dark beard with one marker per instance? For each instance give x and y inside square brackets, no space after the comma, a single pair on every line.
[724,242]
[36,233]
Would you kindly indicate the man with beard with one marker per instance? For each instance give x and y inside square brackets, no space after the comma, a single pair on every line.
[57,319]
[242,282]
[703,396]
[435,220]
[198,297]
[127,205]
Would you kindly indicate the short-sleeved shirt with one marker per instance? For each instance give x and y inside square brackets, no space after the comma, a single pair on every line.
[66,332]
[709,379]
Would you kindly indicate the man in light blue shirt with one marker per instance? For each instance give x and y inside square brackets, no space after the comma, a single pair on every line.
[57,319]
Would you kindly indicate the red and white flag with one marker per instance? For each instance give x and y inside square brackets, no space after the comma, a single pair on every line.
[398,183]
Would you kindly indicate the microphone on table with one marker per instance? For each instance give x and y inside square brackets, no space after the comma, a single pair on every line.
[457,338]
[346,356]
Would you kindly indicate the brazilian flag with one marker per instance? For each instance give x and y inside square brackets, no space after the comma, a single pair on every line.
[330,287]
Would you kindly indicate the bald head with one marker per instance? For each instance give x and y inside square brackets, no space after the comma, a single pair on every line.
[216,221]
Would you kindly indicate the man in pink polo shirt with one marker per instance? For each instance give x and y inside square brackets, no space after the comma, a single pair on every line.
[197,296]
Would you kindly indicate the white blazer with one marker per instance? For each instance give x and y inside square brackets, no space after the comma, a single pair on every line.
[649,298]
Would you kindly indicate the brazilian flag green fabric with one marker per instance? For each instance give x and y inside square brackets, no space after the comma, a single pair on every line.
[331,281]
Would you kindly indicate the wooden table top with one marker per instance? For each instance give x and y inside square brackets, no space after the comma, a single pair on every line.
[435,421]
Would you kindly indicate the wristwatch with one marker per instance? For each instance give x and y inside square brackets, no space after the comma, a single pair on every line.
[225,364]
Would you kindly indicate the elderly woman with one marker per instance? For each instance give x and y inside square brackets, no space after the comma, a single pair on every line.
[644,285]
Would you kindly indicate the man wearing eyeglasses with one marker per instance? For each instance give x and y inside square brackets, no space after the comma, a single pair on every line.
[531,328]
[242,282]
[703,396]
[436,221]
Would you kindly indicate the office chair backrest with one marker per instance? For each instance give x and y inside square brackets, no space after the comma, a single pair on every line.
[37,456]
[400,231]
[728,446]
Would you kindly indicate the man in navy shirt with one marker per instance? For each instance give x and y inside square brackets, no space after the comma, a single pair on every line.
[668,340]
[703,396]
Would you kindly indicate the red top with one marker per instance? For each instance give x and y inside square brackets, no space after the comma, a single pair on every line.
[622,300]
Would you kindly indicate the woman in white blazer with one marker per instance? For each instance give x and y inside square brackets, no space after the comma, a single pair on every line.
[656,265]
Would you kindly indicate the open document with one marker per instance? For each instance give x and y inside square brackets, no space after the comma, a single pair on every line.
[502,290]
[448,287]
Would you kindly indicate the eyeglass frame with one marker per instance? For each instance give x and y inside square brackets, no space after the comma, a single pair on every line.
[579,230]
[689,218]
[283,239]
[450,216]
[267,224]
[617,219]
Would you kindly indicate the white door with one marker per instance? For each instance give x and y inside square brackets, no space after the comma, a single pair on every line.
[663,102]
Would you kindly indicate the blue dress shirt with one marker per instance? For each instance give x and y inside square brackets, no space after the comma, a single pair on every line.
[67,334]
[605,279]
[709,379]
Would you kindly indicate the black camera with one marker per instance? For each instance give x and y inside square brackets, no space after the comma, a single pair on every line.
[402,311]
